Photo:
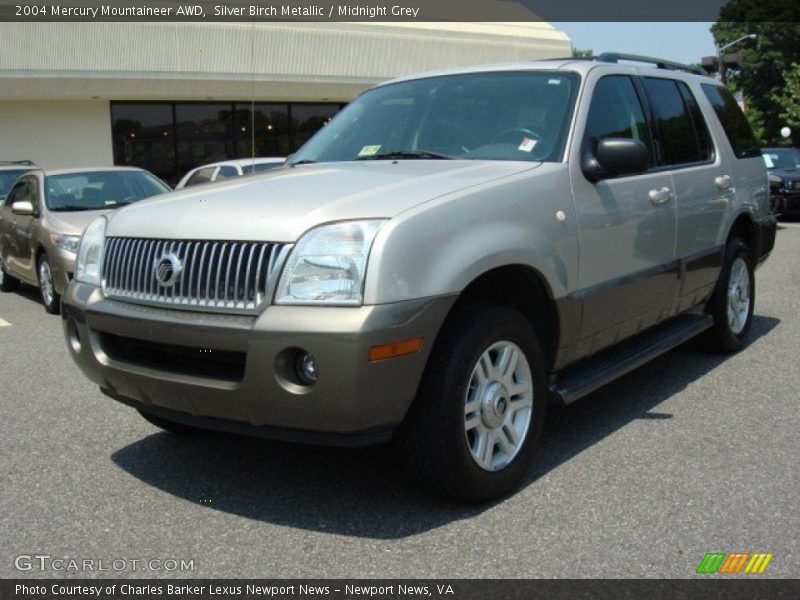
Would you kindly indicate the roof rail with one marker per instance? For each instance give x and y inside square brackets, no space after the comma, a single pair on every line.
[28,163]
[615,57]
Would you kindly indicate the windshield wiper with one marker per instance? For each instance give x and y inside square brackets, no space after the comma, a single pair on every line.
[403,154]
[71,208]
[305,161]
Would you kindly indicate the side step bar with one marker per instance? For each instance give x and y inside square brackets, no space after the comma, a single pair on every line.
[593,373]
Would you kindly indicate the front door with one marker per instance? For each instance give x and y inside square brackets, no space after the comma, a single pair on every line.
[627,275]
[21,259]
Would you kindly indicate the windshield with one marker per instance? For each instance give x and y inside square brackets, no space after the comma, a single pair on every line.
[782,158]
[97,190]
[516,115]
[260,167]
[7,179]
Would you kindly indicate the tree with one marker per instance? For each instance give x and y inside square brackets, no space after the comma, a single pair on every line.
[765,61]
[578,53]
[789,99]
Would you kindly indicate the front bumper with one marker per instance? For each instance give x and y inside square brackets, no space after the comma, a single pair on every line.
[62,267]
[788,202]
[354,401]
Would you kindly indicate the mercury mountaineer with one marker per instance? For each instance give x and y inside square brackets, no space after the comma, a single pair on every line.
[451,253]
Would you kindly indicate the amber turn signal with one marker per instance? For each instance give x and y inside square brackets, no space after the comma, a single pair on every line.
[395,349]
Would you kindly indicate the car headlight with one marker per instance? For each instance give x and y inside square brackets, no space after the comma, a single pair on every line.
[328,264]
[89,264]
[69,243]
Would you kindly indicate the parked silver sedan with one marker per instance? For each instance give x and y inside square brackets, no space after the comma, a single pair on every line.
[45,213]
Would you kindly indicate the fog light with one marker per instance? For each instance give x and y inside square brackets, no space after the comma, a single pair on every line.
[306,368]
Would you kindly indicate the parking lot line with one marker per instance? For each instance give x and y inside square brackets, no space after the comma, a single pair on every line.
[4,323]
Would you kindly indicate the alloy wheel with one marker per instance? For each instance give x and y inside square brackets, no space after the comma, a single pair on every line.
[46,282]
[738,296]
[498,405]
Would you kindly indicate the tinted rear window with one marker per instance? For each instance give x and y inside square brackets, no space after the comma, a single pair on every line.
[733,121]
[677,140]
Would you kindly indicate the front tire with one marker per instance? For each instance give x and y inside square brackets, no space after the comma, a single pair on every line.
[47,289]
[475,424]
[733,301]
[7,282]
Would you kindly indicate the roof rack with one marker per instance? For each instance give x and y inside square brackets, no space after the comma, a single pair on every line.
[615,57]
[28,163]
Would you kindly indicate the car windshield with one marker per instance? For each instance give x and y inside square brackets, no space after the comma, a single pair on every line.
[514,115]
[97,190]
[782,158]
[7,179]
[260,167]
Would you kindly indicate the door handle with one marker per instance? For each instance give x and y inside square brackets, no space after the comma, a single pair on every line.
[723,182]
[660,196]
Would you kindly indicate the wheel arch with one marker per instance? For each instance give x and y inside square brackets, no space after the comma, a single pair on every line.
[523,288]
[744,227]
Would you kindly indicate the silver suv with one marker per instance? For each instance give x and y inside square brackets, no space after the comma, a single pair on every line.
[448,255]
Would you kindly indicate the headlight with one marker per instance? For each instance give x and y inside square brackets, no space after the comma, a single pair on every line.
[328,264]
[69,243]
[89,264]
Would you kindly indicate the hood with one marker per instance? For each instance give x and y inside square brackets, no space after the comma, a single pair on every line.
[71,223]
[785,174]
[279,206]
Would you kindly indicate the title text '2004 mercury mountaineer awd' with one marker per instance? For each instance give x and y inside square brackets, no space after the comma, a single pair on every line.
[446,256]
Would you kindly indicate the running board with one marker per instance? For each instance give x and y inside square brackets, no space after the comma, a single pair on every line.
[593,373]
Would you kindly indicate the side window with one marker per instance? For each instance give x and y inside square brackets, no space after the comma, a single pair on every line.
[24,191]
[225,172]
[698,120]
[17,194]
[733,121]
[677,142]
[616,112]
[201,176]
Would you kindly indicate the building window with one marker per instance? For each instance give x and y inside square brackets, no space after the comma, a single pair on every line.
[171,138]
[143,135]
[269,130]
[307,119]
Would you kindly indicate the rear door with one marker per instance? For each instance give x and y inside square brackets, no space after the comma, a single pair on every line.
[627,277]
[701,180]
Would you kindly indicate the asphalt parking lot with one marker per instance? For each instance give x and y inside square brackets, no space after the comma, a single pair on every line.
[690,454]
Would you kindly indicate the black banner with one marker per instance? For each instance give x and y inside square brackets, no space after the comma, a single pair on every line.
[286,589]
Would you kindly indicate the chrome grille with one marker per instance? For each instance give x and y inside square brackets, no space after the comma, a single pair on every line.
[195,275]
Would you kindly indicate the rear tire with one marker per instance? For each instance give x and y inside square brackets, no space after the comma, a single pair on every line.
[171,426]
[732,302]
[7,282]
[47,289]
[485,380]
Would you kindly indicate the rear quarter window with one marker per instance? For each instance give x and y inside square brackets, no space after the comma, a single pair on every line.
[733,121]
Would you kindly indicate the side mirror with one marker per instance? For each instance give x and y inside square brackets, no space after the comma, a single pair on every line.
[23,208]
[616,156]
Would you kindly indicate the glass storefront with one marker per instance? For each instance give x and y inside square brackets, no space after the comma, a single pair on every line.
[171,138]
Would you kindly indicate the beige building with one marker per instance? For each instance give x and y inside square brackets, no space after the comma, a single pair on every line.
[169,96]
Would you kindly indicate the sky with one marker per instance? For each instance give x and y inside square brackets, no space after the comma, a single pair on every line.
[680,42]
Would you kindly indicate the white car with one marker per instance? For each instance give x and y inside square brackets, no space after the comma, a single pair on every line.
[228,168]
